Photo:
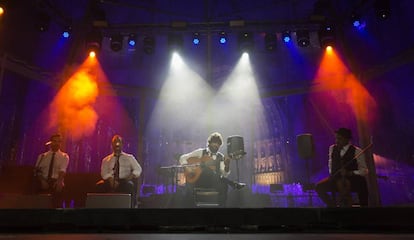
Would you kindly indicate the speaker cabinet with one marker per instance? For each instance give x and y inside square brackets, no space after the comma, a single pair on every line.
[306,148]
[235,146]
[108,200]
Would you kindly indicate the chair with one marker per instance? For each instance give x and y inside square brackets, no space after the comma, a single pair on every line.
[206,197]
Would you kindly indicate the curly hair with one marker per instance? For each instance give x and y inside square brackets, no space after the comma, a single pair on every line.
[215,137]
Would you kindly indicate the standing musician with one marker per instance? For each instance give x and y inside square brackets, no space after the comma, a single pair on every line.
[347,170]
[210,168]
[50,170]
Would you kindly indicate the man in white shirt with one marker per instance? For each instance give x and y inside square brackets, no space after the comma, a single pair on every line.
[347,170]
[50,170]
[119,171]
[209,168]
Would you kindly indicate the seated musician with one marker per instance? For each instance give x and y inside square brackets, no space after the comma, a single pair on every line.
[120,172]
[210,168]
[50,170]
[347,169]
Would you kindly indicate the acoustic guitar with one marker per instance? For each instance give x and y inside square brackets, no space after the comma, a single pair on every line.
[193,172]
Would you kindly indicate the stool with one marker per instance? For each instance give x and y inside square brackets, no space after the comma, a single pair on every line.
[108,200]
[206,197]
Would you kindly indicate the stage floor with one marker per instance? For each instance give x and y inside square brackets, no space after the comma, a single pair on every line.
[233,221]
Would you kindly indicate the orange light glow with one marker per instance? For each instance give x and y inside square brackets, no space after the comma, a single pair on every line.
[73,106]
[345,89]
[329,49]
[1,11]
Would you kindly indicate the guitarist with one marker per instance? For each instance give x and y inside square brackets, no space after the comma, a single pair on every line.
[210,167]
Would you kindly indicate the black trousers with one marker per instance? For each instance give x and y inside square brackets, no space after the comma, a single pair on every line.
[328,185]
[125,186]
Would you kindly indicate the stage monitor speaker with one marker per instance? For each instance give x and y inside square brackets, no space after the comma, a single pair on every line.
[235,146]
[306,148]
[108,200]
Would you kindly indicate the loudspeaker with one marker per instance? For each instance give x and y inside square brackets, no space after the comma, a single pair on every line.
[306,148]
[235,146]
[108,200]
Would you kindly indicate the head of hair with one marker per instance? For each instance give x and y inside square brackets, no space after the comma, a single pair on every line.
[215,137]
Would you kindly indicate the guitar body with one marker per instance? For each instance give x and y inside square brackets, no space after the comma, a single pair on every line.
[193,173]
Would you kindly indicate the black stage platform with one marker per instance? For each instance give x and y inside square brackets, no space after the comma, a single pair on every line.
[388,220]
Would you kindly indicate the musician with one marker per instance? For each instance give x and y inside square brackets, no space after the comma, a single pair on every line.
[50,170]
[119,172]
[214,170]
[347,170]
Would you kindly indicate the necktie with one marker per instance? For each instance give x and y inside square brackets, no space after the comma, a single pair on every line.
[52,162]
[116,169]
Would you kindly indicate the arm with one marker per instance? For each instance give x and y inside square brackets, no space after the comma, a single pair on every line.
[330,159]
[362,166]
[106,171]
[136,168]
[225,167]
[196,153]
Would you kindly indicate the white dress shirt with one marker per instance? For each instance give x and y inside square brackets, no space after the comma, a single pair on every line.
[127,165]
[60,164]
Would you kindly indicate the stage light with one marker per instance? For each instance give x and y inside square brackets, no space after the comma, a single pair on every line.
[116,42]
[93,42]
[245,41]
[132,41]
[286,36]
[66,32]
[270,40]
[175,41]
[326,36]
[2,10]
[302,38]
[196,38]
[148,44]
[222,37]
[357,22]
[382,9]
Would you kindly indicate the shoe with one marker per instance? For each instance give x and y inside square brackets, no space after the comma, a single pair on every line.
[239,186]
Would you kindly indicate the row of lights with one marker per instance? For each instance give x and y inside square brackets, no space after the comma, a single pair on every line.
[245,40]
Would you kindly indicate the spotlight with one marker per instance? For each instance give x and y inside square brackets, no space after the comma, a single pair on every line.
[2,10]
[357,21]
[149,44]
[116,42]
[286,36]
[175,41]
[66,32]
[132,40]
[245,41]
[302,38]
[42,21]
[93,42]
[382,8]
[196,38]
[326,36]
[222,37]
[270,41]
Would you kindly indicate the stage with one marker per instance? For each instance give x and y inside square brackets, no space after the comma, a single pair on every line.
[389,220]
